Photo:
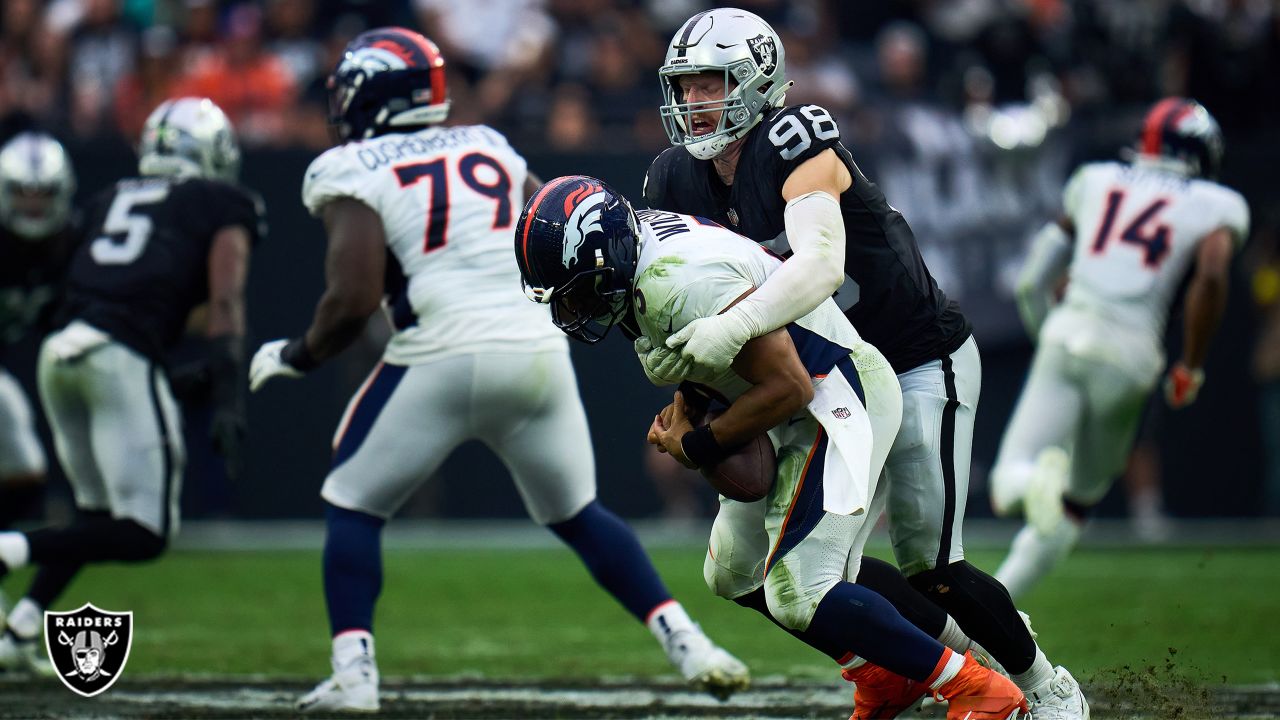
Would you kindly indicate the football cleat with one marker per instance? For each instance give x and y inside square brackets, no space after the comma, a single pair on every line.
[879,693]
[1044,491]
[25,656]
[976,693]
[1059,699]
[705,665]
[352,688]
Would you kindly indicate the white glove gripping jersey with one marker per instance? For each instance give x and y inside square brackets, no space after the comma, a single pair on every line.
[691,268]
[1137,231]
[449,199]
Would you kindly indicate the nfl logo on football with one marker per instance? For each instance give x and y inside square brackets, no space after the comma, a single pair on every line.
[88,647]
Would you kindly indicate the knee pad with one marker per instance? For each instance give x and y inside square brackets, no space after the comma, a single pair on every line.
[790,602]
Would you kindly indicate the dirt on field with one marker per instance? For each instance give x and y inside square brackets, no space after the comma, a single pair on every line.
[1141,693]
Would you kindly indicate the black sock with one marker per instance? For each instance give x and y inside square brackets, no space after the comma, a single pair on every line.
[828,646]
[888,582]
[94,539]
[16,499]
[983,609]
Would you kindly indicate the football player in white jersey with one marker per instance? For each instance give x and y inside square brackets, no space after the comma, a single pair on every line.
[469,358]
[1131,233]
[829,401]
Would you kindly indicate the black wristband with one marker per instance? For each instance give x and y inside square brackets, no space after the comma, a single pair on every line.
[701,447]
[298,356]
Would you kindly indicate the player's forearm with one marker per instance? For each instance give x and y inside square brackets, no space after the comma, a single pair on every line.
[815,230]
[762,407]
[1046,262]
[339,321]
[1206,302]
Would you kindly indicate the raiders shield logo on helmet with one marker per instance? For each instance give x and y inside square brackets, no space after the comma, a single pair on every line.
[88,647]
[765,53]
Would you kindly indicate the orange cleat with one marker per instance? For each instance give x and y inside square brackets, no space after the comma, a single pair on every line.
[882,694]
[976,693]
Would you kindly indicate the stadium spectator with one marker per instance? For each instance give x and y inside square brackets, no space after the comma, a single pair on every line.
[27,78]
[289,24]
[101,54]
[254,87]
[153,80]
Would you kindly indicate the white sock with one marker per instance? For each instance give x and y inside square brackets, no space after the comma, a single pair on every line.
[1038,674]
[350,644]
[949,671]
[953,637]
[15,551]
[26,619]
[668,619]
[1032,556]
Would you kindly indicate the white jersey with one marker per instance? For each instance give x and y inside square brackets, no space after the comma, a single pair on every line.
[449,199]
[1137,230]
[689,269]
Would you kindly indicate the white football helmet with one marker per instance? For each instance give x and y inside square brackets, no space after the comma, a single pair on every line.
[189,137]
[36,185]
[749,53]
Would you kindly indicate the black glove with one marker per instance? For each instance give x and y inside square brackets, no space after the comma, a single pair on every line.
[226,378]
[191,383]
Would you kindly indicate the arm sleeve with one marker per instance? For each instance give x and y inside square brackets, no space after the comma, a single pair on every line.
[815,229]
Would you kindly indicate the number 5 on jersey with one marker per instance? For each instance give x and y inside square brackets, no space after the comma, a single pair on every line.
[496,186]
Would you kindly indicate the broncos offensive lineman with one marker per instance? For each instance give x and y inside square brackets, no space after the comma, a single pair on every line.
[158,246]
[470,358]
[780,176]
[1129,236]
[829,401]
[37,235]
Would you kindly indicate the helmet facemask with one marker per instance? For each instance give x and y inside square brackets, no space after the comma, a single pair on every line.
[748,54]
[590,304]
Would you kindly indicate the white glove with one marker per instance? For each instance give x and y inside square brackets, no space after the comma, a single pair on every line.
[267,363]
[712,342]
[663,366]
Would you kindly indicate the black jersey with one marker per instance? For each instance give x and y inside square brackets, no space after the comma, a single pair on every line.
[31,276]
[895,304]
[143,264]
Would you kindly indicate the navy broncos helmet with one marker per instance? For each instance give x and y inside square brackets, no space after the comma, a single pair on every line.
[1183,131]
[388,79]
[576,245]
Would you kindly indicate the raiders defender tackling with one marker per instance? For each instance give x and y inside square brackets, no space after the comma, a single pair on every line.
[158,246]
[780,176]
[37,235]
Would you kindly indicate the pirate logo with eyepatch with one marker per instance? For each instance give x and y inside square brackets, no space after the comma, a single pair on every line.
[88,647]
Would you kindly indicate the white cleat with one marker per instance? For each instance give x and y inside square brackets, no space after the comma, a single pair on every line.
[707,666]
[1058,699]
[352,688]
[1043,501]
[24,656]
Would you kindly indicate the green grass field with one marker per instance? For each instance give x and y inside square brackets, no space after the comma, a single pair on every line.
[536,613]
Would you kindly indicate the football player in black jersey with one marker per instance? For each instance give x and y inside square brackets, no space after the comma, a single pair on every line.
[36,239]
[157,247]
[781,176]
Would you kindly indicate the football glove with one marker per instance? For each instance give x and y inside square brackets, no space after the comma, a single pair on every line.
[1182,385]
[268,363]
[662,365]
[711,342]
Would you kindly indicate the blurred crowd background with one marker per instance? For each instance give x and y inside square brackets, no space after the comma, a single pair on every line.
[970,114]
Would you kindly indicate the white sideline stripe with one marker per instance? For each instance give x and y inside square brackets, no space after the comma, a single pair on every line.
[507,534]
